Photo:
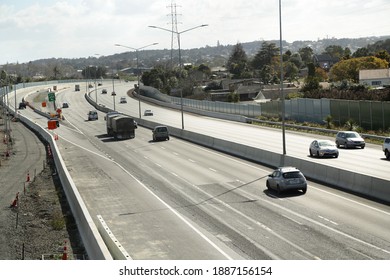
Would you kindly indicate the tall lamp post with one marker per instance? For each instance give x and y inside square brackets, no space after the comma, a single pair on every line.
[281,79]
[180,64]
[136,52]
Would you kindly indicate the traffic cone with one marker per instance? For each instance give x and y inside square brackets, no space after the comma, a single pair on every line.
[28,177]
[15,202]
[65,252]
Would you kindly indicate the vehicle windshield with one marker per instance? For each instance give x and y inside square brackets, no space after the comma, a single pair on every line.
[294,174]
[351,135]
[325,143]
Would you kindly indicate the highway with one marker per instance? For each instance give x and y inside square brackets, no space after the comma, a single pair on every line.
[176,200]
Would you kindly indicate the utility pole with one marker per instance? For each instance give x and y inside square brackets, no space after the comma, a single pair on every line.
[174,22]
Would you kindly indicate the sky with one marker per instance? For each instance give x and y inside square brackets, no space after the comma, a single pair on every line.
[31,30]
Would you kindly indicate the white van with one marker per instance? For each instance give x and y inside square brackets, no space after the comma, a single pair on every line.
[92,115]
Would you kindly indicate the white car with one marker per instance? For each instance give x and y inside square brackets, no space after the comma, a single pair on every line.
[287,178]
[323,148]
[148,113]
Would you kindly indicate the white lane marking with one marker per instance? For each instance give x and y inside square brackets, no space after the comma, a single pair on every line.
[216,207]
[306,218]
[85,149]
[353,201]
[174,174]
[316,222]
[191,160]
[328,220]
[258,168]
[159,165]
[162,147]
[253,221]
[75,127]
[212,169]
[291,219]
[177,214]
[176,154]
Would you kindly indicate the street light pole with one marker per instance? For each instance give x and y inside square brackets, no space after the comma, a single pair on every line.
[180,64]
[138,76]
[281,79]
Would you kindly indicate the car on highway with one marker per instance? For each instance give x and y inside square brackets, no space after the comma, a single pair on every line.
[160,132]
[123,100]
[148,112]
[323,148]
[386,147]
[92,115]
[349,139]
[65,105]
[104,91]
[286,178]
[22,105]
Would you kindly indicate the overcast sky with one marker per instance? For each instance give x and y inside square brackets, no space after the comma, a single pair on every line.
[37,29]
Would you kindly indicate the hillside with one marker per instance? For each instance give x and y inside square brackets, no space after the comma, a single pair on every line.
[211,56]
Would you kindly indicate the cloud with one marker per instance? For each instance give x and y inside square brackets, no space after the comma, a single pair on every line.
[31,30]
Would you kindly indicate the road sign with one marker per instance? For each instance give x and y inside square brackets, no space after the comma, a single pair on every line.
[51,96]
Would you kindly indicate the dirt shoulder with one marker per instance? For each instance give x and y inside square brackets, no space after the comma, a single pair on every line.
[41,225]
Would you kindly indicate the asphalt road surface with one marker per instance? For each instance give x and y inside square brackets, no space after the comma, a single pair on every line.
[175,200]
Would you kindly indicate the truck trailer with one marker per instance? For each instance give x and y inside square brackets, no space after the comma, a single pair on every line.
[108,118]
[122,127]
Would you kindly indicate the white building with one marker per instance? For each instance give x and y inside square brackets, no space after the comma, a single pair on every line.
[374,77]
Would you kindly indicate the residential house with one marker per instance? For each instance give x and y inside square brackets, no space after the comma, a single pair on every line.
[374,77]
[325,61]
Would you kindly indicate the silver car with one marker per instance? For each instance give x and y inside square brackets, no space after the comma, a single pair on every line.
[323,148]
[349,139]
[160,132]
[287,178]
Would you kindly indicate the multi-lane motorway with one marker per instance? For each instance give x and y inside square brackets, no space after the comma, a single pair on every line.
[176,200]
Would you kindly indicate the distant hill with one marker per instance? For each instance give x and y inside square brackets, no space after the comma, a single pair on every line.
[211,56]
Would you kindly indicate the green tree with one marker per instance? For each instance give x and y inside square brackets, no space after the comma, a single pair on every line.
[335,51]
[56,72]
[349,69]
[297,60]
[312,82]
[265,55]
[238,61]
[383,54]
[291,71]
[361,52]
[306,54]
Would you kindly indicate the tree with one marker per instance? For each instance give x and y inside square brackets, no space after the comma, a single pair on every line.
[238,62]
[56,72]
[291,71]
[349,69]
[361,52]
[312,82]
[265,55]
[383,55]
[335,51]
[306,54]
[297,60]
